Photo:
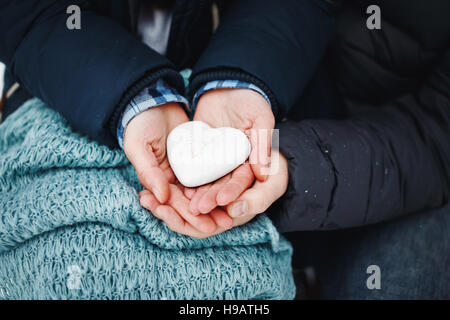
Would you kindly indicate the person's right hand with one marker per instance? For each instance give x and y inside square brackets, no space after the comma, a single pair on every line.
[144,144]
[248,111]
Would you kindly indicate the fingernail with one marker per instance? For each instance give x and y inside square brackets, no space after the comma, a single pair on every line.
[239,208]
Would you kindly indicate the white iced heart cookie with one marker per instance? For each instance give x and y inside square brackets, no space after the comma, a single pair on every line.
[199,154]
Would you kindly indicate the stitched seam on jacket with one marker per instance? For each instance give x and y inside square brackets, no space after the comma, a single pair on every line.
[328,158]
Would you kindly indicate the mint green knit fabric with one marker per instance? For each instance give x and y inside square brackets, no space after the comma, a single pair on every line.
[71,227]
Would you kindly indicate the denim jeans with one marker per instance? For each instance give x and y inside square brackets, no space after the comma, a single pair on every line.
[412,253]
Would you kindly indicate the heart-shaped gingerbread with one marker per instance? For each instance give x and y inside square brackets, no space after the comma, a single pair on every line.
[199,154]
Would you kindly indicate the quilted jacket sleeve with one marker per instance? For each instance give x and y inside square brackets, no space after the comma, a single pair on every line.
[87,75]
[391,157]
[274,46]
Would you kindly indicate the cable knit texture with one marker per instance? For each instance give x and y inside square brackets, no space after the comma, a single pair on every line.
[71,227]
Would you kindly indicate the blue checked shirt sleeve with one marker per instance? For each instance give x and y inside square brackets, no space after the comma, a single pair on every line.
[153,96]
[226,84]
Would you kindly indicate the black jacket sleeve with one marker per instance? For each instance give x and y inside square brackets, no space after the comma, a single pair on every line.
[388,162]
[87,75]
[276,46]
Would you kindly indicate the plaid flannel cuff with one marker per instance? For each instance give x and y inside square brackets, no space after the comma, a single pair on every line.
[153,96]
[226,84]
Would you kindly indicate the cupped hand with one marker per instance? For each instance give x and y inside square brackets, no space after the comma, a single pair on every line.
[144,144]
[253,201]
[176,215]
[262,194]
[257,199]
[246,110]
[222,192]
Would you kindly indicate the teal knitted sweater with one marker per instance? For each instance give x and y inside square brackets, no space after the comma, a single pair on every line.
[71,227]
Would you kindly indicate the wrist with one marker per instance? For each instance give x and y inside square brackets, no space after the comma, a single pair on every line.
[227,97]
[173,114]
[158,94]
[157,118]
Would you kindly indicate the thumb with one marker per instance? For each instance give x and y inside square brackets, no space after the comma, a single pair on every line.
[149,173]
[253,201]
[260,196]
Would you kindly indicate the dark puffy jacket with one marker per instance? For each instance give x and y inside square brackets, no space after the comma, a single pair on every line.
[89,75]
[391,155]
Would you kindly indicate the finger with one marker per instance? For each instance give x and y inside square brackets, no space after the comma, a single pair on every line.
[204,224]
[241,179]
[180,203]
[175,223]
[208,200]
[189,192]
[252,201]
[193,205]
[258,198]
[155,180]
[148,200]
[221,218]
[243,219]
[261,142]
[165,167]
[151,176]
[173,220]
[179,186]
[260,154]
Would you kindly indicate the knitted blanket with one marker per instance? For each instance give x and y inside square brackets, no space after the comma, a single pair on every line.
[71,227]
